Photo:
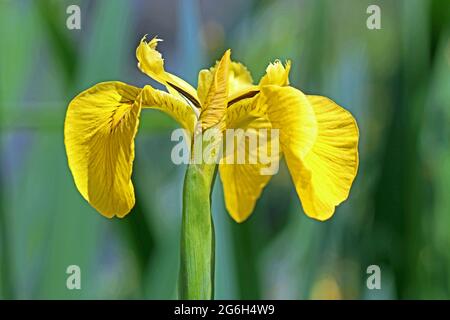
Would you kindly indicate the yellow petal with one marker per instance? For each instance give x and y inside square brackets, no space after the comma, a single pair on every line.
[213,110]
[332,163]
[151,63]
[244,182]
[242,186]
[239,80]
[290,111]
[177,108]
[322,153]
[247,112]
[205,78]
[99,132]
[276,74]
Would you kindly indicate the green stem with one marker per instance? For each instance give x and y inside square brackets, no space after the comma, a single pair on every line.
[196,279]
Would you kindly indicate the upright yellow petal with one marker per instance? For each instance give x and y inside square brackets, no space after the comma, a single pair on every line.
[244,182]
[213,110]
[239,80]
[177,108]
[322,153]
[205,78]
[99,132]
[151,63]
[276,74]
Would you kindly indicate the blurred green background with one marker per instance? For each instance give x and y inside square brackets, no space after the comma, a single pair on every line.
[396,82]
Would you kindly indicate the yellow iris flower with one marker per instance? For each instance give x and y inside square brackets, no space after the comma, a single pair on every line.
[318,138]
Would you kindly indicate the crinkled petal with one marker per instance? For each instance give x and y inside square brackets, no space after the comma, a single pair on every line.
[99,132]
[215,105]
[276,74]
[151,63]
[331,165]
[321,149]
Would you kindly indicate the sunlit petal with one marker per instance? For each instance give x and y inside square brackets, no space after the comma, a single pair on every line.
[322,156]
[239,80]
[290,111]
[177,108]
[150,62]
[214,107]
[332,162]
[99,132]
[276,74]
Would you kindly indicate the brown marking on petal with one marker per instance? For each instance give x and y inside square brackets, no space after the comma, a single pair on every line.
[249,94]
[192,99]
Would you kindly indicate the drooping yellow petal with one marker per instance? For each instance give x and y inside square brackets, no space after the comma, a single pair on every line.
[252,138]
[99,132]
[322,156]
[177,108]
[276,74]
[242,186]
[215,105]
[239,80]
[151,63]
[289,111]
[332,163]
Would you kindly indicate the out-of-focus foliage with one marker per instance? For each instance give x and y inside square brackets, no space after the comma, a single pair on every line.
[396,82]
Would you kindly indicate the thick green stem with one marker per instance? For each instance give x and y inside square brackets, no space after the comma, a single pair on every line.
[196,279]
